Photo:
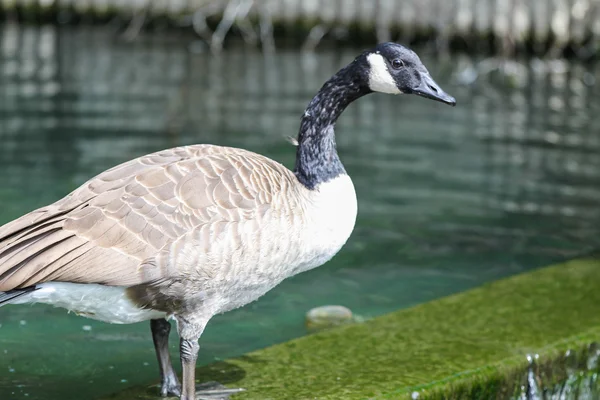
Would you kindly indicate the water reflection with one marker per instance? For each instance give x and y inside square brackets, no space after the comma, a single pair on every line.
[448,197]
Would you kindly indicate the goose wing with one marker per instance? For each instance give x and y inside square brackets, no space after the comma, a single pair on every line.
[111,229]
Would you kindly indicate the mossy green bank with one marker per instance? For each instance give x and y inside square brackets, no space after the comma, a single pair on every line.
[470,345]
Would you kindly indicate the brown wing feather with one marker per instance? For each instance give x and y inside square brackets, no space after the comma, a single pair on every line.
[105,230]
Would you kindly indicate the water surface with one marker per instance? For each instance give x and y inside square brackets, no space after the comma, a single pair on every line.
[449,198]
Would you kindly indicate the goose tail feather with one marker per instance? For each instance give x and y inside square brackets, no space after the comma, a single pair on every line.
[11,295]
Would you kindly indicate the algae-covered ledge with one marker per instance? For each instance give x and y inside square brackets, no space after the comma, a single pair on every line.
[470,344]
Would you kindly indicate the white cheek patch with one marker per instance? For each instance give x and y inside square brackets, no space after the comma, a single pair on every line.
[380,79]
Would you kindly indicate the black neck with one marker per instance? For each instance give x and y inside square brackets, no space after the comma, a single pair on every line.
[317,160]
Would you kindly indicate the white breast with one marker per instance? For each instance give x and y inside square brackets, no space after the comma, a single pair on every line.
[331,212]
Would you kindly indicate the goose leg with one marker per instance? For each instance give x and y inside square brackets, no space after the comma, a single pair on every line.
[160,335]
[188,351]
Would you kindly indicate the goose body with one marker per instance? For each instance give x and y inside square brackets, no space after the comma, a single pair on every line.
[140,233]
[191,232]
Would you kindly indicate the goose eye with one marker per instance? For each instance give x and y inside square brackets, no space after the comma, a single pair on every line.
[397,63]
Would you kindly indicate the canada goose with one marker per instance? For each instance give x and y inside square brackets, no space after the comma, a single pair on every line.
[191,232]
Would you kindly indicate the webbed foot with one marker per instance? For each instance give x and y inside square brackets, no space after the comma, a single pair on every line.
[204,391]
[170,387]
[214,391]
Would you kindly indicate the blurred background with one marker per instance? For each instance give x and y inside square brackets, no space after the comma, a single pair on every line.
[449,198]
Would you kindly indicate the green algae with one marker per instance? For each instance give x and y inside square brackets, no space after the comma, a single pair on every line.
[470,345]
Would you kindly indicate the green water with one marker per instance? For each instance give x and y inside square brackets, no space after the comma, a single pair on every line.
[449,198]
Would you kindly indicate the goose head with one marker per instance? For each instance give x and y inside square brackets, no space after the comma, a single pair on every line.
[395,69]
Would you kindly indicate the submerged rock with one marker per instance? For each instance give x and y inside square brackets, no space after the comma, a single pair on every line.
[328,316]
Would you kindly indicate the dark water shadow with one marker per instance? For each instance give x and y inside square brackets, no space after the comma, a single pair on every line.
[223,372]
